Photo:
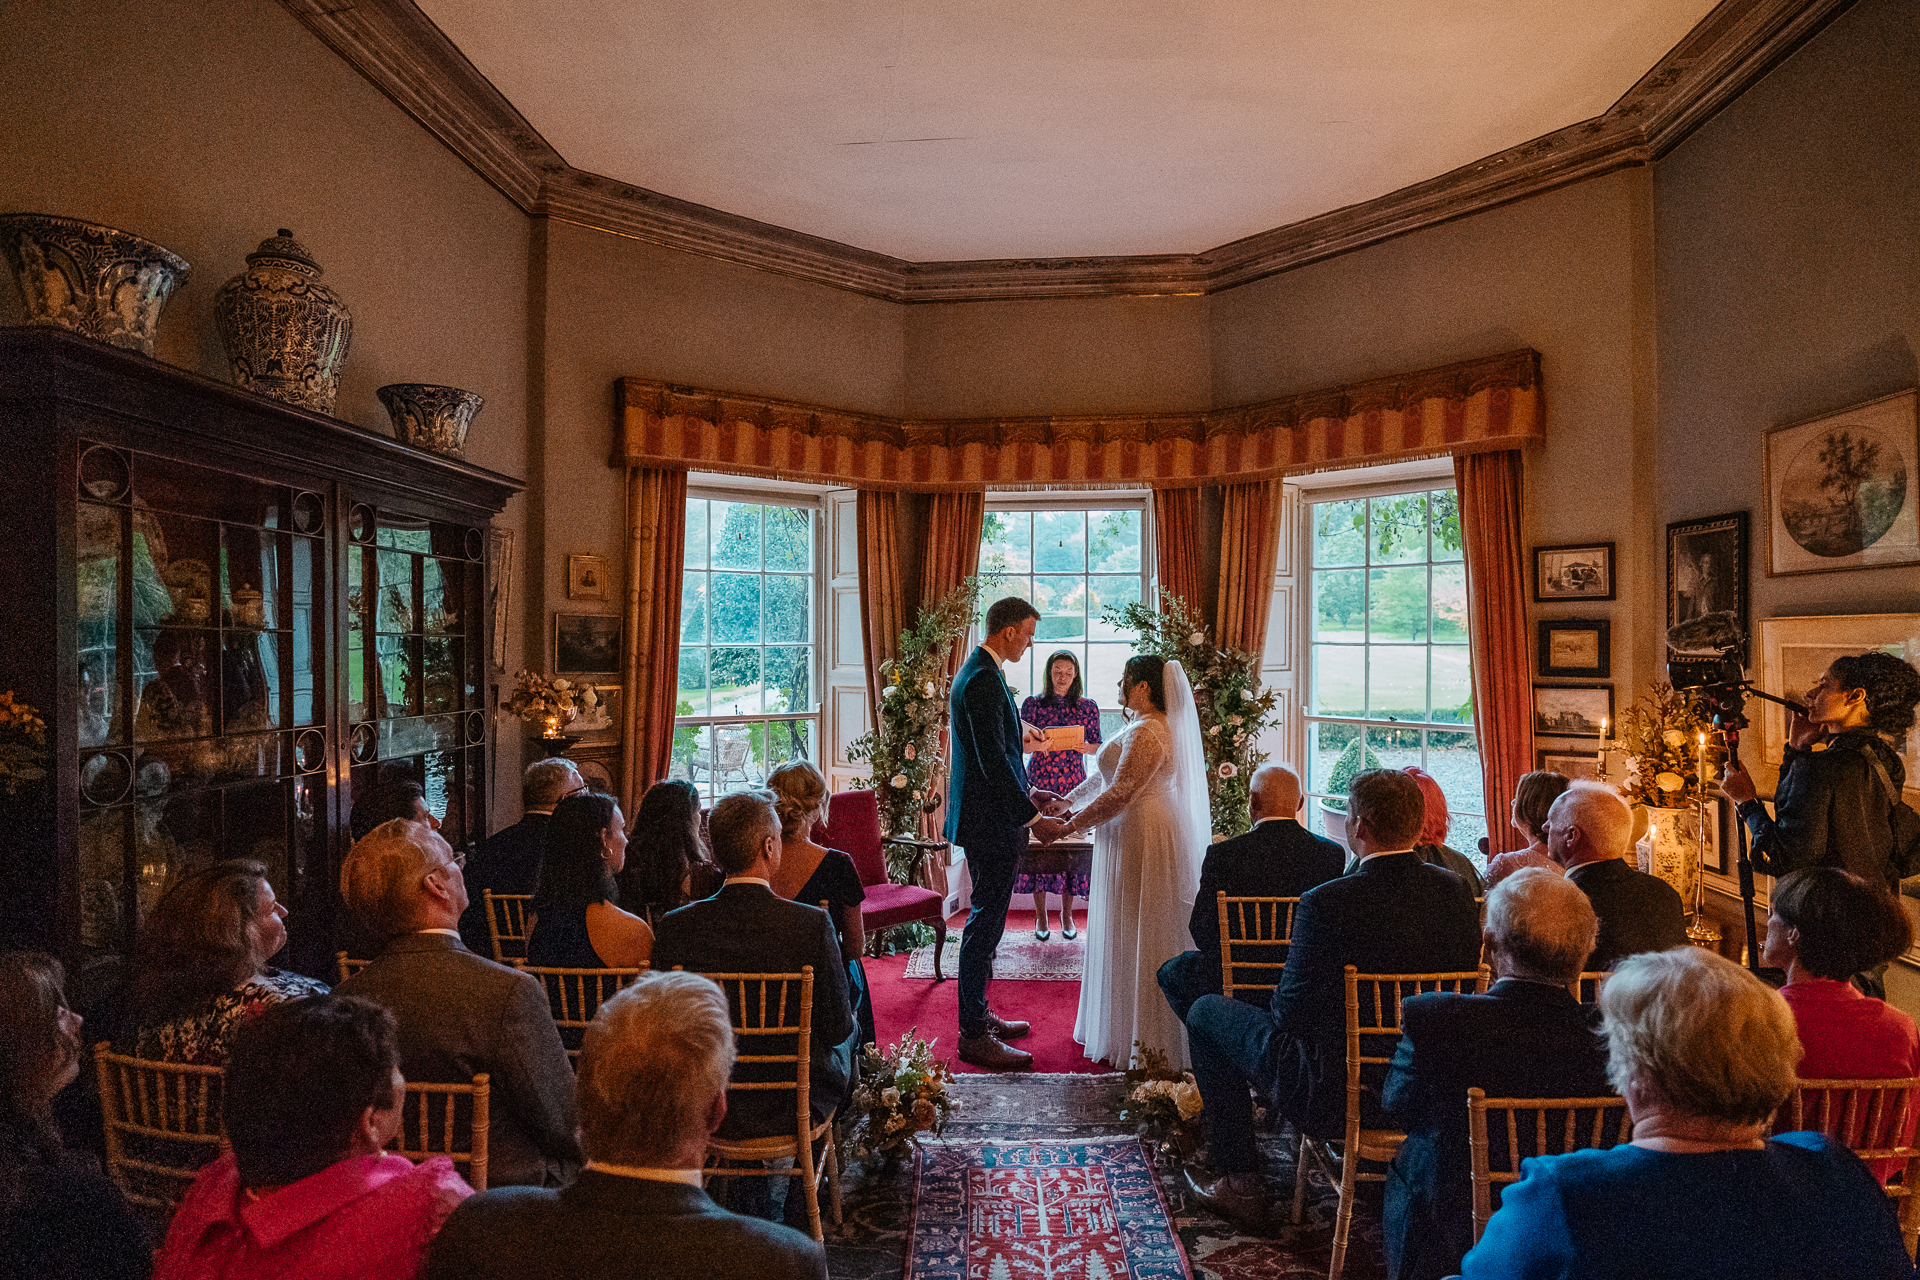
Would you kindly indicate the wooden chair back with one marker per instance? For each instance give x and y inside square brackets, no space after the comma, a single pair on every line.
[1533,1127]
[1255,924]
[507,924]
[163,1125]
[447,1120]
[1874,1119]
[1586,987]
[348,965]
[575,995]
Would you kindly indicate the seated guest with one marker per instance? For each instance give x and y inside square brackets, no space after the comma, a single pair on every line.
[667,864]
[1703,1052]
[60,1217]
[573,922]
[653,1087]
[1394,914]
[460,1015]
[200,968]
[1824,926]
[1528,1037]
[819,876]
[1588,832]
[313,1096]
[1532,799]
[1279,858]
[1432,844]
[508,861]
[384,801]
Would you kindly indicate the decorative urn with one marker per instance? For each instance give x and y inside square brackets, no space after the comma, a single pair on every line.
[430,417]
[91,279]
[286,334]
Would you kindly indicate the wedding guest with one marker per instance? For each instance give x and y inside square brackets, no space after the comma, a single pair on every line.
[508,861]
[1704,1053]
[60,1217]
[668,865]
[1432,844]
[818,876]
[308,1191]
[1063,705]
[573,921]
[387,800]
[1588,830]
[200,967]
[1533,798]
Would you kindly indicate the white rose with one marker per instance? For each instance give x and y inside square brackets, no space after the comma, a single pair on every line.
[1227,770]
[897,780]
[1674,738]
[1218,837]
[889,691]
[563,683]
[1139,1093]
[1236,720]
[1198,637]
[1667,781]
[927,688]
[1213,732]
[1186,1096]
[891,1098]
[909,751]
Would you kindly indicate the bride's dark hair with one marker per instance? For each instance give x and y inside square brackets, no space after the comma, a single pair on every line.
[1152,669]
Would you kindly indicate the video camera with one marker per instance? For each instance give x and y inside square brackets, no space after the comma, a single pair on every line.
[1705,650]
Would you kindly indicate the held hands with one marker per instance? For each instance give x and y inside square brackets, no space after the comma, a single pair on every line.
[1049,829]
[1050,803]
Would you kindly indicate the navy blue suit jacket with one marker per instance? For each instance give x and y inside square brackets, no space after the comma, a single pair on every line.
[1638,912]
[987,790]
[1277,859]
[508,861]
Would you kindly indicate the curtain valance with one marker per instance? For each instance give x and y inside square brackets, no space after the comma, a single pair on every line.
[1476,405]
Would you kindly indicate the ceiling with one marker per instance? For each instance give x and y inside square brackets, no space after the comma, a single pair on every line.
[953,130]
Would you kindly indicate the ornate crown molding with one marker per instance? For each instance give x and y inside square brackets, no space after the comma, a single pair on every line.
[407,57]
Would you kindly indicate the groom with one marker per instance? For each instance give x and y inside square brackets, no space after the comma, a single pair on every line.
[989,808]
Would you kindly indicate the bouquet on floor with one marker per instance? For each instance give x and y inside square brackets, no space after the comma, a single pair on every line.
[23,737]
[903,1093]
[1161,1103]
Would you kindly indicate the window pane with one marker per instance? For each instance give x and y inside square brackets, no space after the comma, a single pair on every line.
[1005,543]
[788,599]
[1325,744]
[1109,593]
[1060,541]
[787,672]
[1443,506]
[1062,603]
[736,681]
[693,609]
[693,683]
[1101,675]
[1450,604]
[692,752]
[1005,585]
[1397,605]
[1392,748]
[1337,536]
[736,608]
[736,535]
[1397,682]
[396,592]
[790,538]
[1452,685]
[1339,679]
[696,533]
[1113,541]
[1339,604]
[1454,761]
[1399,529]
[738,762]
[789,740]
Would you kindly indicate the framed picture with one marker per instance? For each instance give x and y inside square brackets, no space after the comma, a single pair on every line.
[1575,647]
[1571,710]
[1841,489]
[586,577]
[586,644]
[1794,651]
[1578,765]
[1581,572]
[1707,569]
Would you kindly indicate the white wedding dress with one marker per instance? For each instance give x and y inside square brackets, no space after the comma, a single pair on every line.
[1149,837]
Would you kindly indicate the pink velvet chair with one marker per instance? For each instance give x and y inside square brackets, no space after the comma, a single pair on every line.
[853,827]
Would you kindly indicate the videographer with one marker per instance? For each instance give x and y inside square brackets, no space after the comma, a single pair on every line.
[1830,809]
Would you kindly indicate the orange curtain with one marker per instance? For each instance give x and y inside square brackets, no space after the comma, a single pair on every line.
[1176,543]
[1490,520]
[883,603]
[650,649]
[1249,543]
[950,553]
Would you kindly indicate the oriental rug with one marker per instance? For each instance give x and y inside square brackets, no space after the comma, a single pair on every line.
[1021,957]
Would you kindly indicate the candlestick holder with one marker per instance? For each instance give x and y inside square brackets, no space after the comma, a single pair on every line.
[1700,931]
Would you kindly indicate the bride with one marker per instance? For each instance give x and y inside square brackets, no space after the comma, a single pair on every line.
[1148,808]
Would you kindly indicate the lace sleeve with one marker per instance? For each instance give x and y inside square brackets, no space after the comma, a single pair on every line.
[1144,753]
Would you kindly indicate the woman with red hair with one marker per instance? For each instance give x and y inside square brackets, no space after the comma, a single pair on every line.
[1432,844]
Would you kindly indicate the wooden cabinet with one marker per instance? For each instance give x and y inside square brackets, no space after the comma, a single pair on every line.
[233,615]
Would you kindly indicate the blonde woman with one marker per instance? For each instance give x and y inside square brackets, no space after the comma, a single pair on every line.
[814,874]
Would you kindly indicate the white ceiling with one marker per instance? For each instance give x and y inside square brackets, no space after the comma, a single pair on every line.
[940,130]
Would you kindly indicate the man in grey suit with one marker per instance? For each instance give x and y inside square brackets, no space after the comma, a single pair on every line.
[653,1088]
[460,1015]
[1588,831]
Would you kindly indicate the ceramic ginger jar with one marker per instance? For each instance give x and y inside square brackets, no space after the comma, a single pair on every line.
[286,334]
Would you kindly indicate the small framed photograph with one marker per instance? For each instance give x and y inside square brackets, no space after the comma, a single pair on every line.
[1841,489]
[1580,572]
[1581,766]
[1707,570]
[1571,710]
[586,644]
[1575,647]
[586,577]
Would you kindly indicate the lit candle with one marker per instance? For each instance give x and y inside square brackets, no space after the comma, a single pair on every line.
[1702,772]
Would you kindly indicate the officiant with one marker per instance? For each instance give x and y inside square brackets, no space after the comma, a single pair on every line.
[1061,707]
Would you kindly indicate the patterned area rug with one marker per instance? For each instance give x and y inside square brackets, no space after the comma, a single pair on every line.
[1021,958]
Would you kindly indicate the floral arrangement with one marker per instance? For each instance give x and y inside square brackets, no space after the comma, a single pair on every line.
[902,1094]
[902,753]
[552,700]
[1661,732]
[23,737]
[1161,1103]
[1226,691]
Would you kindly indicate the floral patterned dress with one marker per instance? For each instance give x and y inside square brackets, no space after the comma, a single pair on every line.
[1059,772]
[201,1038]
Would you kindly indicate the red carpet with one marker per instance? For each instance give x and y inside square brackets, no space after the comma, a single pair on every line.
[900,1003]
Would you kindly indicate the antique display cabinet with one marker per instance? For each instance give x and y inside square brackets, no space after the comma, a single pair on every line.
[232,614]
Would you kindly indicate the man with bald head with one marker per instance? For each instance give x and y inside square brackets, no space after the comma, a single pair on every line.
[1589,830]
[1279,858]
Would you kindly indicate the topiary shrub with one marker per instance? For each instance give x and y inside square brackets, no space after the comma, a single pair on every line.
[1349,766]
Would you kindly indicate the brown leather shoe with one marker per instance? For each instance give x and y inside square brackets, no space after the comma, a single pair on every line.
[1237,1197]
[986,1052]
[1004,1030]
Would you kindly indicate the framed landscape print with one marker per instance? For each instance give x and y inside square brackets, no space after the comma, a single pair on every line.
[1794,651]
[1571,710]
[1581,766]
[1579,572]
[586,644]
[1575,647]
[1842,489]
[1707,569]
